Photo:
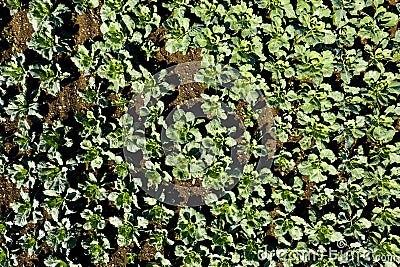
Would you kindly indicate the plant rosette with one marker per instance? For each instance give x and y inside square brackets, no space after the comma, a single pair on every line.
[194,153]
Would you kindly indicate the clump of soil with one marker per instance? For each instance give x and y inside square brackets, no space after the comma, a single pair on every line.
[8,194]
[118,259]
[8,128]
[18,32]
[88,26]
[309,188]
[393,30]
[68,100]
[188,91]
[393,2]
[24,259]
[147,253]
[193,54]
[240,110]
[157,37]
[119,111]
[188,183]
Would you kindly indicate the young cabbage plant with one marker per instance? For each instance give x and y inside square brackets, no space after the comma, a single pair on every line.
[57,203]
[42,11]
[96,247]
[227,209]
[85,60]
[118,70]
[111,8]
[94,219]
[53,175]
[53,137]
[94,154]
[25,210]
[91,123]
[178,36]
[92,188]
[124,198]
[191,226]
[61,235]
[29,242]
[159,239]
[254,217]
[129,228]
[294,226]
[240,19]
[46,42]
[49,77]
[315,66]
[23,175]
[317,167]
[323,232]
[159,214]
[4,258]
[20,108]
[147,18]
[24,139]
[13,73]
[190,258]
[82,6]
[114,35]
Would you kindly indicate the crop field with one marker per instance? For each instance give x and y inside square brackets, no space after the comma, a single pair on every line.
[200,133]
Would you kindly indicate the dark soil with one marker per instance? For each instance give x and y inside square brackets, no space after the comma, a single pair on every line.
[188,183]
[88,26]
[393,2]
[191,55]
[147,253]
[240,109]
[188,91]
[8,128]
[393,30]
[8,194]
[17,33]
[24,259]
[118,259]
[68,100]
[309,187]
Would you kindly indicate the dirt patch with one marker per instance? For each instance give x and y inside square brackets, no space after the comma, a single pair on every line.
[7,130]
[393,2]
[188,91]
[294,138]
[147,253]
[157,37]
[8,194]
[309,188]
[273,212]
[193,54]
[68,100]
[17,32]
[119,111]
[118,259]
[88,26]
[393,30]
[24,259]
[271,230]
[241,110]
[397,127]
